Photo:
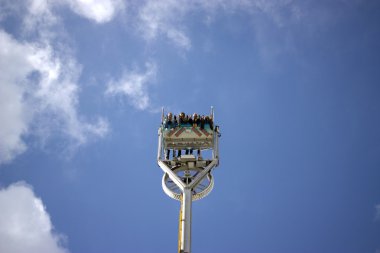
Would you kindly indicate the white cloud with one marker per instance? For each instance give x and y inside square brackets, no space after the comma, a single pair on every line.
[168,17]
[25,226]
[39,78]
[100,11]
[39,18]
[179,38]
[13,112]
[57,93]
[13,124]
[38,86]
[165,17]
[133,84]
[42,13]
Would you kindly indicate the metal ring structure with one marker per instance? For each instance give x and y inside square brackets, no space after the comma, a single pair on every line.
[200,191]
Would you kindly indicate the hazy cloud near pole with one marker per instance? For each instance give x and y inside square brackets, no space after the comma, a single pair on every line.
[134,85]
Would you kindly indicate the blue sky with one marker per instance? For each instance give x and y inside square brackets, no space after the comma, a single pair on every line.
[295,86]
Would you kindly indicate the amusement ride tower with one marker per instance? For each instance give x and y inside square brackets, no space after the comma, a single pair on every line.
[187,177]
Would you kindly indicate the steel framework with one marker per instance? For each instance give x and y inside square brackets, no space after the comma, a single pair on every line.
[187,178]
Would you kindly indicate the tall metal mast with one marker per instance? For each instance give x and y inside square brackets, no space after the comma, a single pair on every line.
[187,177]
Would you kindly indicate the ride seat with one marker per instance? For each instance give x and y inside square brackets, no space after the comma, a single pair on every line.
[188,137]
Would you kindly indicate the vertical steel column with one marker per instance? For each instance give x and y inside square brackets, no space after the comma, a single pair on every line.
[159,151]
[216,147]
[186,221]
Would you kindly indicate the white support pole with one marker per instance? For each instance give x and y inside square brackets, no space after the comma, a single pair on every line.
[159,151]
[216,147]
[186,221]
[215,137]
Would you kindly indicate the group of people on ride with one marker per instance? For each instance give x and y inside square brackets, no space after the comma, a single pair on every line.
[187,120]
[183,120]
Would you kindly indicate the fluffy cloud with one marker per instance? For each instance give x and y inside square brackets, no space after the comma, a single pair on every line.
[13,124]
[25,226]
[42,13]
[37,82]
[57,93]
[100,11]
[13,112]
[39,78]
[133,84]
[39,15]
